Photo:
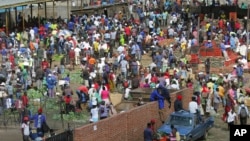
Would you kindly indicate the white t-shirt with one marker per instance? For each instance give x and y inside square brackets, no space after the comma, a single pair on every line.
[100,67]
[26,129]
[77,51]
[94,113]
[231,116]
[151,24]
[127,91]
[193,106]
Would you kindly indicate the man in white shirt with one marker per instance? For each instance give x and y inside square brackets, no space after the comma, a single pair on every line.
[77,51]
[193,106]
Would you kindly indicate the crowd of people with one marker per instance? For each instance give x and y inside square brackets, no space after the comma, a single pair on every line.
[108,49]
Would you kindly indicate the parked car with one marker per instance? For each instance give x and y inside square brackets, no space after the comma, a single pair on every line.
[189,125]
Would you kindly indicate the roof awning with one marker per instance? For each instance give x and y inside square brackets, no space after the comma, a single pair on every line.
[14,3]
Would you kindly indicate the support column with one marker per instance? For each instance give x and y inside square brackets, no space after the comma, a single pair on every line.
[9,19]
[45,10]
[31,11]
[68,9]
[53,6]
[16,16]
[38,16]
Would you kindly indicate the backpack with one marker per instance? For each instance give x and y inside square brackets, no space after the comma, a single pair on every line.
[125,84]
[243,112]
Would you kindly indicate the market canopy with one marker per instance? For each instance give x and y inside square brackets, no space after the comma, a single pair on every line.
[14,3]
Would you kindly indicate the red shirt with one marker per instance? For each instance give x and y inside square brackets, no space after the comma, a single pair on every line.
[25,100]
[41,30]
[72,54]
[12,60]
[45,64]
[67,99]
[154,79]
[237,25]
[127,31]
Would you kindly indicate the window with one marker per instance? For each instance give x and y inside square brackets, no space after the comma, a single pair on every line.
[180,120]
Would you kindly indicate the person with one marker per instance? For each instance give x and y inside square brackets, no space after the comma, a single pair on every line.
[174,135]
[25,99]
[39,120]
[104,110]
[148,133]
[243,113]
[216,100]
[94,112]
[231,118]
[155,95]
[25,129]
[178,104]
[82,100]
[105,95]
[207,65]
[193,106]
[68,106]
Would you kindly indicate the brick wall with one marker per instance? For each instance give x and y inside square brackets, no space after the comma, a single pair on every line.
[128,126]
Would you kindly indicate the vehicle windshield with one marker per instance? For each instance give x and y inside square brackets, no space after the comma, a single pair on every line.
[180,120]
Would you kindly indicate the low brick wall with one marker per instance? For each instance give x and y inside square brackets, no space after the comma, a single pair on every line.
[128,126]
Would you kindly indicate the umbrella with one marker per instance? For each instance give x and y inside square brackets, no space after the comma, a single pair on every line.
[84,89]
[66,33]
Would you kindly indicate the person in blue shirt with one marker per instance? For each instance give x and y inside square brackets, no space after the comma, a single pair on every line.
[208,44]
[232,42]
[158,58]
[51,82]
[71,26]
[223,49]
[148,133]
[39,120]
[156,96]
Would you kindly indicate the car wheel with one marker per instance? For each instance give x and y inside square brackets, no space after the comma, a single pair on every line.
[204,137]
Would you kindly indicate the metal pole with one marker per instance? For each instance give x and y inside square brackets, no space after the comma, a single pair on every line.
[38,16]
[45,10]
[6,21]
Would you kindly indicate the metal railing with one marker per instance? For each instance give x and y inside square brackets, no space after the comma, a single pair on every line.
[63,136]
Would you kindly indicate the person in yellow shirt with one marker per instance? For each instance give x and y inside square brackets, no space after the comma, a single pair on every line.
[161,33]
[210,84]
[222,93]
[96,47]
[183,47]
[207,26]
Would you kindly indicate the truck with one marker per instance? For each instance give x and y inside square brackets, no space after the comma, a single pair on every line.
[190,126]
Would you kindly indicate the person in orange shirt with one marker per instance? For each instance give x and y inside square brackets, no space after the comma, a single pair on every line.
[92,63]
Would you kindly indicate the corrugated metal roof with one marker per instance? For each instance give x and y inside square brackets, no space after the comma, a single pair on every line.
[13,3]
